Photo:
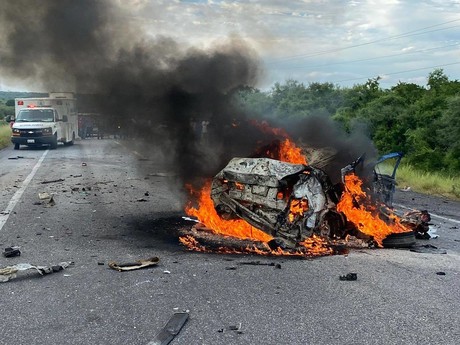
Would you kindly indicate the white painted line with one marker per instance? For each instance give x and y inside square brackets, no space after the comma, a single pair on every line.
[17,196]
[431,214]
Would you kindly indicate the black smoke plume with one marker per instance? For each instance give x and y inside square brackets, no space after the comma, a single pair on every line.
[151,89]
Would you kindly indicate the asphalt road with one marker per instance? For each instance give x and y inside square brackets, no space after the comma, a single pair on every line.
[113,204]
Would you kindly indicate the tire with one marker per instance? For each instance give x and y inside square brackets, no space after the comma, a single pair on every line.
[70,143]
[54,144]
[401,240]
[16,146]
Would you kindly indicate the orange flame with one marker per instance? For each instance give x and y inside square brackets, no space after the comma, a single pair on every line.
[357,207]
[297,208]
[207,215]
[290,153]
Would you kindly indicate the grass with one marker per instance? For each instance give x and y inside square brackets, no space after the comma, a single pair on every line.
[5,135]
[428,183]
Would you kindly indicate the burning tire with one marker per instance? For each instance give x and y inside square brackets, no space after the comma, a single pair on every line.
[399,240]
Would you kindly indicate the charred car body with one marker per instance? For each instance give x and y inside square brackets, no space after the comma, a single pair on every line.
[288,201]
[291,202]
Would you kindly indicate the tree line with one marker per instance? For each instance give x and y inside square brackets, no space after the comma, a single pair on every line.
[423,122]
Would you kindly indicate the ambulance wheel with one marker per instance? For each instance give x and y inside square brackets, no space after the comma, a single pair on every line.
[69,143]
[54,144]
[16,146]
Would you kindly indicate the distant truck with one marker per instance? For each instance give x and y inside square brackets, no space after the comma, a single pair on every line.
[45,121]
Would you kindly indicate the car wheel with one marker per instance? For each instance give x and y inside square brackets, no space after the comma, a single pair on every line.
[401,240]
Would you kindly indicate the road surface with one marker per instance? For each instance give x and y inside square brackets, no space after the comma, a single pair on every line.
[111,203]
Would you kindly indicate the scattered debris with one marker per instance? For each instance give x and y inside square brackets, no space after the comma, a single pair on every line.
[134,265]
[53,181]
[349,277]
[417,221]
[47,199]
[10,272]
[11,251]
[428,249]
[163,174]
[167,272]
[141,200]
[83,164]
[191,219]
[440,273]
[236,328]
[147,193]
[171,329]
[432,232]
[17,157]
[44,196]
[258,263]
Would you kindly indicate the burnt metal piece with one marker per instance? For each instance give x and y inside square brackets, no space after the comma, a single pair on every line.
[130,266]
[171,329]
[11,251]
[349,277]
[428,249]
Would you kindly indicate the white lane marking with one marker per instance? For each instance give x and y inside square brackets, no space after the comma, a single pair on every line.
[432,214]
[15,199]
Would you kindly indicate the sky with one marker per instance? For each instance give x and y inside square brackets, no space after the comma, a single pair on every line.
[344,42]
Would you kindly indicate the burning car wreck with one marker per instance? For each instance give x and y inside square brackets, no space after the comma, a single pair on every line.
[282,205]
[290,202]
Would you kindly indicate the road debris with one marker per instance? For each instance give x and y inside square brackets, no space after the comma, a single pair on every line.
[11,251]
[47,199]
[53,181]
[171,329]
[191,219]
[418,221]
[428,249]
[10,272]
[134,265]
[236,328]
[258,263]
[440,273]
[349,277]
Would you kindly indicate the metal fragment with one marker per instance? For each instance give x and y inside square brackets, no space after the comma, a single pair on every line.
[171,329]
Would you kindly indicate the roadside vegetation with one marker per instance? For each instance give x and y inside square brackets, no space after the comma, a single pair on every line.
[5,135]
[432,183]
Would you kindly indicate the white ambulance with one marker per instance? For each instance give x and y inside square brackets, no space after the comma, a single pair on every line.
[45,121]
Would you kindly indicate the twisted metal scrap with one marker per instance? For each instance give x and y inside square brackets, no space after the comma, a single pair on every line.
[10,272]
